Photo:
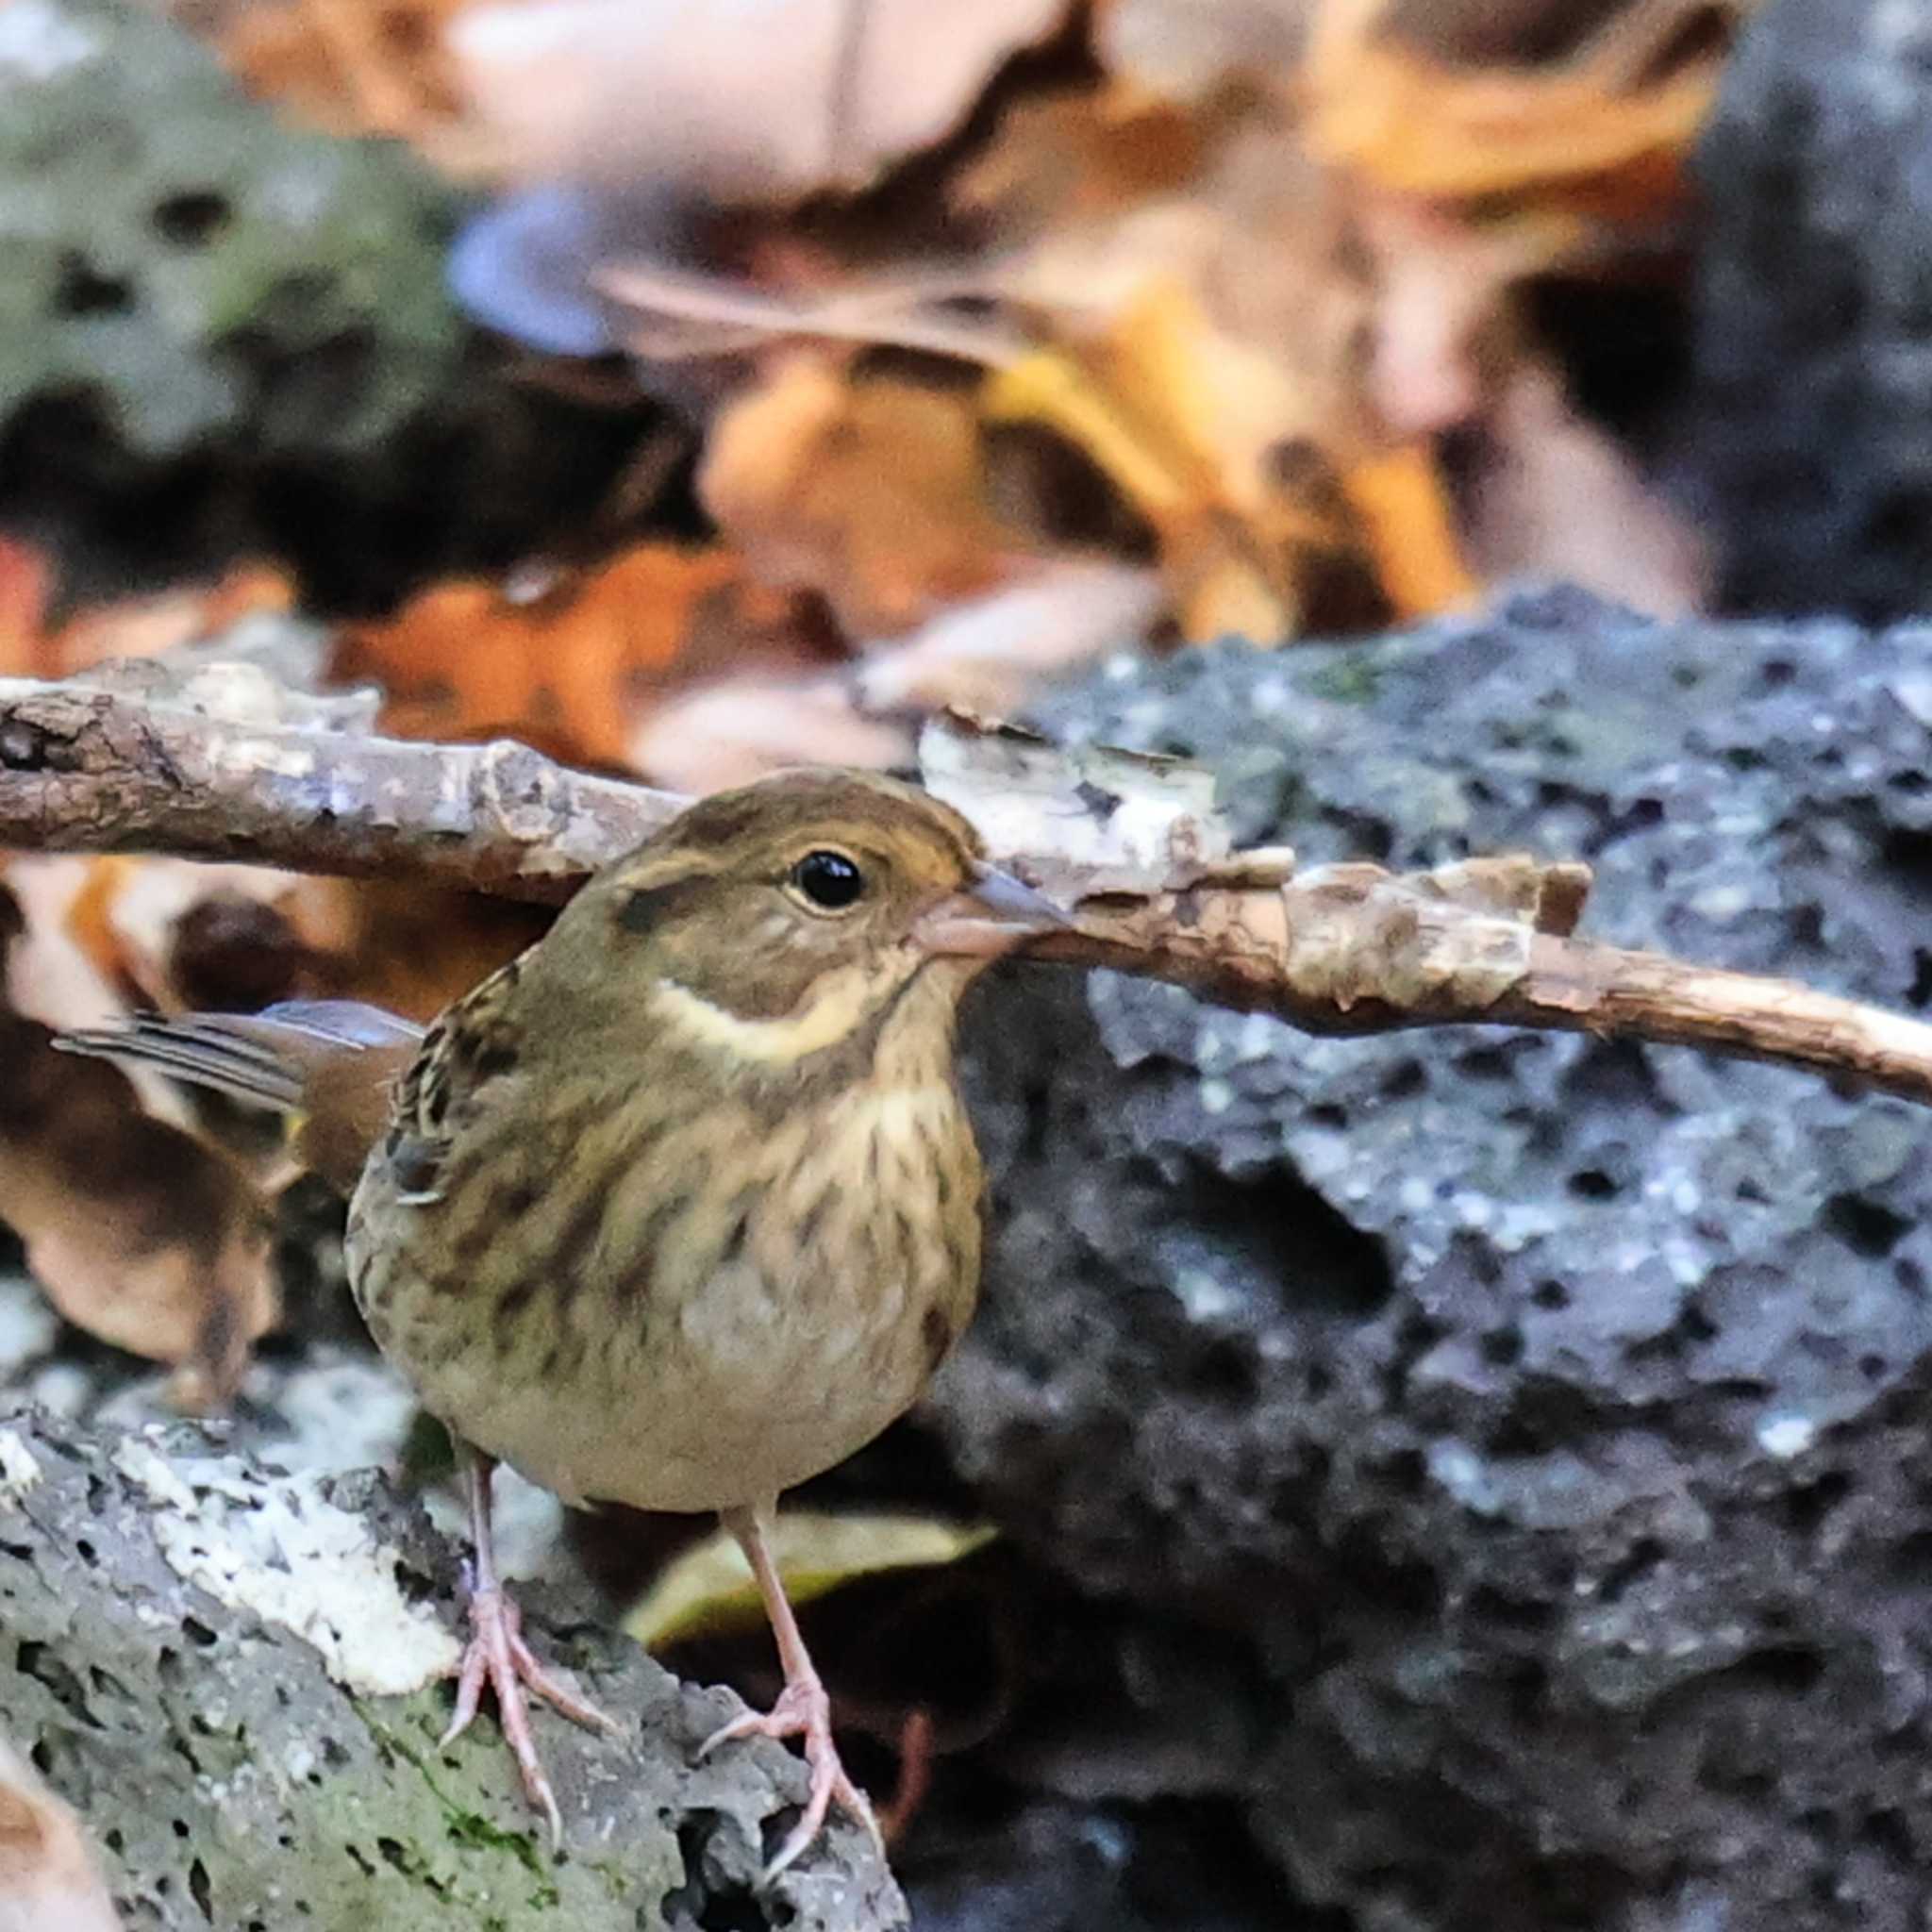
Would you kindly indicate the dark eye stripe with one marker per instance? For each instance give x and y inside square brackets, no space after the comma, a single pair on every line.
[645,907]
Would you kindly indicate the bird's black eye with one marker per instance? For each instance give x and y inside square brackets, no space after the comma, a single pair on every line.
[829,880]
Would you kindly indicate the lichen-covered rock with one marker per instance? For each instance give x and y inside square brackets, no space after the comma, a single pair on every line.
[1546,1416]
[222,334]
[1813,357]
[232,1676]
[201,263]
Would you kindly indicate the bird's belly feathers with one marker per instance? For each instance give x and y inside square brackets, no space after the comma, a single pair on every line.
[731,1351]
[746,1401]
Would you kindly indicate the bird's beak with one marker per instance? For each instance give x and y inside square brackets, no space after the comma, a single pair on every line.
[992,915]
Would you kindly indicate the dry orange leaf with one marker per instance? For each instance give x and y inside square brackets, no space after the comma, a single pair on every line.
[573,667]
[1409,531]
[1611,123]
[868,492]
[33,643]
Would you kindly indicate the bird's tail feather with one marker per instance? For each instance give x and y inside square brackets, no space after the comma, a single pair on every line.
[269,1058]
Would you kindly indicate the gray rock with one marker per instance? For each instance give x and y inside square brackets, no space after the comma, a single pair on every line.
[1813,358]
[1542,1415]
[238,1775]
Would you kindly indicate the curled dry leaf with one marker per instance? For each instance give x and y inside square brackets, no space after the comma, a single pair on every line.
[1185,420]
[137,1233]
[868,491]
[48,1880]
[1606,122]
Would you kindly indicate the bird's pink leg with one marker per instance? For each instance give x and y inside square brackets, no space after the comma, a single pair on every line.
[496,1653]
[803,1708]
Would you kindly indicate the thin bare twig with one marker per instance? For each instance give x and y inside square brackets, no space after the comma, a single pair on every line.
[1131,843]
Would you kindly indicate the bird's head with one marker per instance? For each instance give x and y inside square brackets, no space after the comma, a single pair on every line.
[780,918]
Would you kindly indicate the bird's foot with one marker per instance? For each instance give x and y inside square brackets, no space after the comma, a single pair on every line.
[496,1653]
[803,1710]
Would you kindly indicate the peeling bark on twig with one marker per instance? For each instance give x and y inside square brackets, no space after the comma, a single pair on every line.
[1132,843]
[89,770]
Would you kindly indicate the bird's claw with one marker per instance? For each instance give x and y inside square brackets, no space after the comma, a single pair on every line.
[496,1653]
[803,1709]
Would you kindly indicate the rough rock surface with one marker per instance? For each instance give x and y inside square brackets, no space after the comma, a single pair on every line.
[1546,1418]
[152,1585]
[1813,360]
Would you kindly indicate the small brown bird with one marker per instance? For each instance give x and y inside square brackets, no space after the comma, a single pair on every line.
[679,1208]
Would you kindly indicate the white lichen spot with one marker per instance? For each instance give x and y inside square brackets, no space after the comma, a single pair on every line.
[1786,1436]
[29,1326]
[1462,1472]
[1205,1298]
[18,1471]
[1415,1194]
[39,41]
[1257,1037]
[1719,905]
[279,1548]
[1521,1224]
[137,1461]
[62,1388]
[1217,1096]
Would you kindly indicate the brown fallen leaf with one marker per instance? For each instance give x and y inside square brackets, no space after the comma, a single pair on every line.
[868,491]
[1082,156]
[138,1232]
[48,1880]
[1206,351]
